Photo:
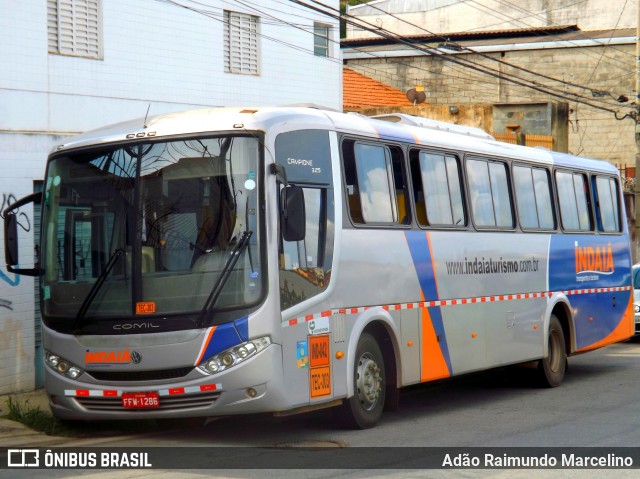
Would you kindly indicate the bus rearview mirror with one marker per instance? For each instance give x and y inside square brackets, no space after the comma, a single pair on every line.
[292,213]
[11,235]
[10,239]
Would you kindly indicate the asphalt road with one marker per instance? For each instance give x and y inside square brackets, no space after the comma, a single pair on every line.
[597,406]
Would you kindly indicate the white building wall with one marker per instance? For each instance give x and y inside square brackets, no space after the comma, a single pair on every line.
[155,55]
[450,16]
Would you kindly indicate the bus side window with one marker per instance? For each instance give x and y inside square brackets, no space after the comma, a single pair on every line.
[436,181]
[533,197]
[490,197]
[305,266]
[607,204]
[375,183]
[573,201]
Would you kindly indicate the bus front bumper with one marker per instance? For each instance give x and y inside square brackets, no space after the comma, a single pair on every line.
[254,386]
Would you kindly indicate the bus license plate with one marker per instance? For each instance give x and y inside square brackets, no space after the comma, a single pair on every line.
[148,399]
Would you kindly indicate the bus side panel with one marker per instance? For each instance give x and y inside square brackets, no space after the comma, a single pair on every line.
[483,284]
[596,272]
[376,270]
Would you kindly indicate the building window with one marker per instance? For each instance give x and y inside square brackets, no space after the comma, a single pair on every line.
[74,27]
[320,39]
[240,43]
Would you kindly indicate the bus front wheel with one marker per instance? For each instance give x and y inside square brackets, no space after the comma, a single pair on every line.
[552,368]
[364,408]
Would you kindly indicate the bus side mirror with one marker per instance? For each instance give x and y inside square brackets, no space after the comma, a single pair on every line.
[10,239]
[11,236]
[293,219]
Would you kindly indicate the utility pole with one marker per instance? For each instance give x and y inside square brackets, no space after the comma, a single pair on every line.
[634,245]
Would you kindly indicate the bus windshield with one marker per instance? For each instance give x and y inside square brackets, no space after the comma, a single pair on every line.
[147,230]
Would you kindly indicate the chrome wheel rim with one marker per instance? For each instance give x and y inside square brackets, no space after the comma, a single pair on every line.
[368,381]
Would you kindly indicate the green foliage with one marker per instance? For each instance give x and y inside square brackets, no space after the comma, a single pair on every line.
[35,418]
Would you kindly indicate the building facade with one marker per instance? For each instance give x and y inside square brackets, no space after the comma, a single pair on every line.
[414,17]
[72,65]
[581,54]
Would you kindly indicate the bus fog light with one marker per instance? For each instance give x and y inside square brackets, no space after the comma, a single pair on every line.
[233,356]
[252,392]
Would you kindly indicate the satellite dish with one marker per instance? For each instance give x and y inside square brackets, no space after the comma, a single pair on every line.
[415,96]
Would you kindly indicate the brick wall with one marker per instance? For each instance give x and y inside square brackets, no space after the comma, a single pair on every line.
[592,132]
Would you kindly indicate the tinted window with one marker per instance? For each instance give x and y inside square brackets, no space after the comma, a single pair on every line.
[572,198]
[439,195]
[608,207]
[533,197]
[375,182]
[490,197]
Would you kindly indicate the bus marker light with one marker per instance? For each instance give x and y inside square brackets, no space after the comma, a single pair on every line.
[474,335]
[535,326]
[339,355]
[410,343]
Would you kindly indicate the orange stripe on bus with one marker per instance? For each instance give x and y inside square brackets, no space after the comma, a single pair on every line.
[433,364]
[624,329]
[205,345]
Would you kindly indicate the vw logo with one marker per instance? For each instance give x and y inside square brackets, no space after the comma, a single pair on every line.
[135,357]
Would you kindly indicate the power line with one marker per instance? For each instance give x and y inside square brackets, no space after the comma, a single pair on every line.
[529,14]
[214,16]
[462,62]
[489,57]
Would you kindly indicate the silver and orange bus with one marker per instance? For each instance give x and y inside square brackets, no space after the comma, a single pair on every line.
[243,260]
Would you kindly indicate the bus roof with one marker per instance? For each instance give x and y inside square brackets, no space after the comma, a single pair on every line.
[392,127]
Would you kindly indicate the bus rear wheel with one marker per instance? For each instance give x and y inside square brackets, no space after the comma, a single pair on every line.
[364,409]
[552,368]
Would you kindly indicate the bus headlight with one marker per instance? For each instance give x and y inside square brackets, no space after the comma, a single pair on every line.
[62,366]
[636,308]
[236,355]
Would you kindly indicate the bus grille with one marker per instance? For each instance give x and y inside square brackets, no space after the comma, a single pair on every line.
[182,401]
[141,375]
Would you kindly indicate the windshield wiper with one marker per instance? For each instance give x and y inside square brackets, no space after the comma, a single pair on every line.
[224,276]
[102,277]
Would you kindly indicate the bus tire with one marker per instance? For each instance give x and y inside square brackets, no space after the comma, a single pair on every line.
[364,409]
[551,369]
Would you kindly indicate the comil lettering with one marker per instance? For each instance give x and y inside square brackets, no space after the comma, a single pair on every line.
[590,259]
[107,357]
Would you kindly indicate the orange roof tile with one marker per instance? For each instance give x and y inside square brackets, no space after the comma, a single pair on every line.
[360,91]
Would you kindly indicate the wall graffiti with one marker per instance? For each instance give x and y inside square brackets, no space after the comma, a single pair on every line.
[5,303]
[11,282]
